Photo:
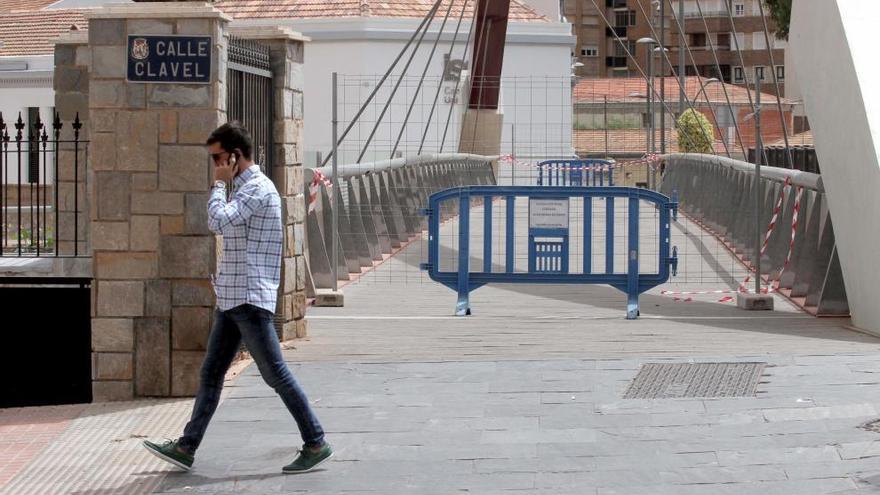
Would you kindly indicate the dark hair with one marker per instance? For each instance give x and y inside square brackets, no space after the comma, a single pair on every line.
[232,135]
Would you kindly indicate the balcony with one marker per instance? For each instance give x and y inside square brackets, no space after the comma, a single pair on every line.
[615,62]
[708,14]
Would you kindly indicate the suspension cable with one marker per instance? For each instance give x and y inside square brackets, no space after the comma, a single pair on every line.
[422,79]
[718,71]
[440,83]
[742,64]
[375,91]
[397,84]
[667,60]
[466,99]
[693,64]
[642,72]
[776,85]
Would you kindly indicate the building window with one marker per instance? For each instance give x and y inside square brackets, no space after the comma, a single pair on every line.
[589,51]
[759,72]
[624,18]
[622,72]
[698,39]
[738,75]
[780,72]
[737,7]
[620,49]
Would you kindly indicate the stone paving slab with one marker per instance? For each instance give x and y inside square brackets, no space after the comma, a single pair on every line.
[453,436]
[525,397]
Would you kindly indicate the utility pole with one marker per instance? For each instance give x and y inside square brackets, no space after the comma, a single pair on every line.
[681,59]
[759,152]
[662,77]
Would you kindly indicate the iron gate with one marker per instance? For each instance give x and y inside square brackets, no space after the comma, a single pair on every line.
[249,95]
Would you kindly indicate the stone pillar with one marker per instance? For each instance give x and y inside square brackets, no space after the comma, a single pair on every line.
[153,252]
[286,56]
[71,85]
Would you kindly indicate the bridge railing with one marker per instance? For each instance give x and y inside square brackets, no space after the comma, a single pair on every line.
[719,194]
[378,207]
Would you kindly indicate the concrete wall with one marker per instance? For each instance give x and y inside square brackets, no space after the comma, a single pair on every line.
[833,52]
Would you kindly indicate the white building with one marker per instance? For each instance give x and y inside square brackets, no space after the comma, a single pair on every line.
[359,40]
[361,44]
[26,72]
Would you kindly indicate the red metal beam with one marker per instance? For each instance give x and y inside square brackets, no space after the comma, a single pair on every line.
[488,56]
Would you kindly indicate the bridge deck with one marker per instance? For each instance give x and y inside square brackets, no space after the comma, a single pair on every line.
[525,396]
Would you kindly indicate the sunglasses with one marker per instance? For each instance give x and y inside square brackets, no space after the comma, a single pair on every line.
[218,156]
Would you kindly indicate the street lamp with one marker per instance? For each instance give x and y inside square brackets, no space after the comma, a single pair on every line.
[703,87]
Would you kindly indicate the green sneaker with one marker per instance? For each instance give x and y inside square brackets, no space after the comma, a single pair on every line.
[170,452]
[307,461]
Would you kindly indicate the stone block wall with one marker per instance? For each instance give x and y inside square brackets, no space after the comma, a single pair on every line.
[71,85]
[153,252]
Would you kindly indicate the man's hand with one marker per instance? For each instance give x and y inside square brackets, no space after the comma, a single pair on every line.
[224,171]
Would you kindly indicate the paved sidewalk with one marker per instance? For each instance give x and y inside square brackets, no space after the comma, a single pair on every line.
[510,402]
[524,397]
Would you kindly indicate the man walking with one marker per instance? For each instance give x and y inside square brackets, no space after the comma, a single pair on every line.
[246,289]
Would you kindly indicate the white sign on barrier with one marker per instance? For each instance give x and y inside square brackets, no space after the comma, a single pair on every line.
[548,213]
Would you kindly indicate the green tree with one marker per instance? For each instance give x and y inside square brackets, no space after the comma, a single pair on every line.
[695,133]
[780,12]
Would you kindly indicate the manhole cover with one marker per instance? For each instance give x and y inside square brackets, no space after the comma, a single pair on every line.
[676,380]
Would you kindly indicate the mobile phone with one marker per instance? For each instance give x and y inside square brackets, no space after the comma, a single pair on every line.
[233,158]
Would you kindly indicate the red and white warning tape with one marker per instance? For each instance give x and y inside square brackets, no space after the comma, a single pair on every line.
[315,186]
[774,285]
[794,224]
[770,229]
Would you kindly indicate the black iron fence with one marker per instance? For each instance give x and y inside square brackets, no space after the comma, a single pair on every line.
[249,97]
[42,187]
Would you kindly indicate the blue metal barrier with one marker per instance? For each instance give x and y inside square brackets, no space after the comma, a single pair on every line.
[548,252]
[576,173]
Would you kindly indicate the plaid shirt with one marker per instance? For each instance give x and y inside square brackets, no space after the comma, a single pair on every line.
[250,222]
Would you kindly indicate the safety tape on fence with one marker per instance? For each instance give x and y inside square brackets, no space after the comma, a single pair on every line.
[770,229]
[651,159]
[774,284]
[318,179]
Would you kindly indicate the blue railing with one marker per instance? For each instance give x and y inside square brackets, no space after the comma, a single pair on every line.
[592,172]
[548,238]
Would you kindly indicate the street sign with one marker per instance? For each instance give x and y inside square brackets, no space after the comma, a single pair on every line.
[169,59]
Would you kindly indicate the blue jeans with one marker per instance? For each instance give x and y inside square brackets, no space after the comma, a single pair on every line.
[254,325]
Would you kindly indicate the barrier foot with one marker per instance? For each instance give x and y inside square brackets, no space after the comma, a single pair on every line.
[632,307]
[463,307]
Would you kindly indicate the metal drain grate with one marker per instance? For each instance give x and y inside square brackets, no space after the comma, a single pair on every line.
[676,380]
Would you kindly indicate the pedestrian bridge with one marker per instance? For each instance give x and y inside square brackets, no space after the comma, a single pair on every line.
[383,239]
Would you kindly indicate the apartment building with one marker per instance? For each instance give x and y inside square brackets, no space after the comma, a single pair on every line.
[607,29]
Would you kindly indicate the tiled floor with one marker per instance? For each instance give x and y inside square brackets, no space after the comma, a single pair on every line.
[26,431]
